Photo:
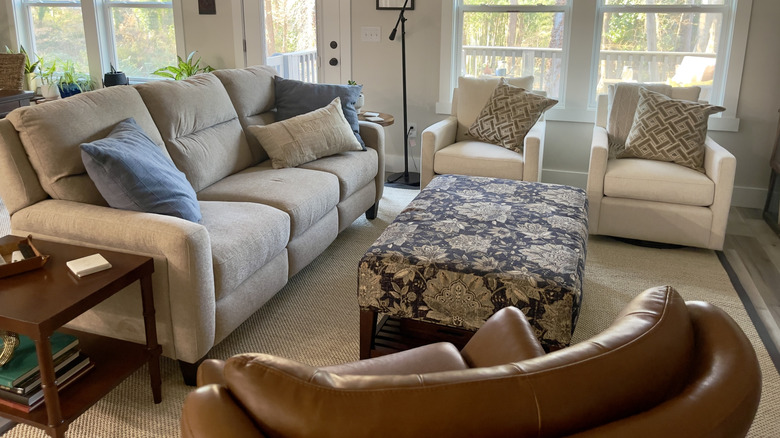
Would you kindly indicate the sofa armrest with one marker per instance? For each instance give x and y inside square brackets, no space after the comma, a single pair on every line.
[183,280]
[373,136]
[435,137]
[597,169]
[720,166]
[505,337]
[431,358]
[533,152]
[211,411]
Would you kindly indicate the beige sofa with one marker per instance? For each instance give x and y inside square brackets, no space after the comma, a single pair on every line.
[260,225]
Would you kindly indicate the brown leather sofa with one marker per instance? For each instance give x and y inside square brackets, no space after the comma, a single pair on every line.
[664,368]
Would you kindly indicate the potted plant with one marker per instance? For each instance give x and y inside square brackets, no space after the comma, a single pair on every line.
[184,69]
[361,100]
[71,82]
[29,68]
[49,89]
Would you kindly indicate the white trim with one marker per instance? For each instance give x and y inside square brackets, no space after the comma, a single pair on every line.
[736,57]
[345,39]
[446,57]
[254,11]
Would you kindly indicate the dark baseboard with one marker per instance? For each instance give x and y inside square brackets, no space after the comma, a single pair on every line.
[763,333]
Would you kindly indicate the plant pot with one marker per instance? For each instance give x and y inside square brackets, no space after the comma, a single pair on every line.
[69,90]
[50,91]
[117,78]
[361,100]
[30,82]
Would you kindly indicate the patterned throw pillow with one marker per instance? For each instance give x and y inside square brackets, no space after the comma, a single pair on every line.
[307,137]
[508,116]
[667,129]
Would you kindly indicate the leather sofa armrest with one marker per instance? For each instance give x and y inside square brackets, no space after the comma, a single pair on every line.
[533,152]
[373,136]
[432,358]
[435,137]
[180,248]
[597,169]
[211,371]
[210,411]
[505,337]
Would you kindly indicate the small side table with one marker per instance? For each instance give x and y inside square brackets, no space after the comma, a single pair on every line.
[387,118]
[12,99]
[38,302]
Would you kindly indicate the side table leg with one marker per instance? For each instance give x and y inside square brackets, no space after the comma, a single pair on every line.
[43,349]
[367,332]
[150,325]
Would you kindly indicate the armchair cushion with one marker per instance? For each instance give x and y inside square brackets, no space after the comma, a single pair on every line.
[667,129]
[476,158]
[307,137]
[132,173]
[657,181]
[508,116]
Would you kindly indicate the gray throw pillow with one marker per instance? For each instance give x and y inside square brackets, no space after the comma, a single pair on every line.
[132,173]
[294,98]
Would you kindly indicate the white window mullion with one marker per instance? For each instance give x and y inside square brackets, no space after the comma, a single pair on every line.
[89,14]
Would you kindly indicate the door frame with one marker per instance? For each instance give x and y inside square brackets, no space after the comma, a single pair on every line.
[327,10]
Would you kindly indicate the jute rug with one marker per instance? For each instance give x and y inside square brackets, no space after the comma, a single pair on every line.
[314,319]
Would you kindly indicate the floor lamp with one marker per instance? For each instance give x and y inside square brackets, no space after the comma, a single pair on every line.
[405,178]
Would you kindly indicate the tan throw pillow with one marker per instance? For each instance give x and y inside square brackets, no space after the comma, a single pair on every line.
[508,116]
[307,137]
[667,129]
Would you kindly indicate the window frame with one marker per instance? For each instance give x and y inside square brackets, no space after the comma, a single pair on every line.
[583,45]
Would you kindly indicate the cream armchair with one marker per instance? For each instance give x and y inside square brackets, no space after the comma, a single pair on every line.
[448,149]
[658,201]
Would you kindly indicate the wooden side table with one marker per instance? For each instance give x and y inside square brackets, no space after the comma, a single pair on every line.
[387,118]
[12,99]
[38,302]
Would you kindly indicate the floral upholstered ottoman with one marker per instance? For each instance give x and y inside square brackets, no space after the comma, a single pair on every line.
[468,246]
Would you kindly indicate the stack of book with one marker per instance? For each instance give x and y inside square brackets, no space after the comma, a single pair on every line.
[20,378]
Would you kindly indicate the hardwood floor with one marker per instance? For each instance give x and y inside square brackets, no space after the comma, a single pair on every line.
[752,249]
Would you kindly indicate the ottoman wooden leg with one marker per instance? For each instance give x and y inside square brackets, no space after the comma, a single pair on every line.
[367,332]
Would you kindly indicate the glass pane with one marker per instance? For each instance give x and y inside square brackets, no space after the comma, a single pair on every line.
[514,44]
[678,49]
[291,38]
[145,40]
[664,2]
[513,2]
[59,34]
[141,1]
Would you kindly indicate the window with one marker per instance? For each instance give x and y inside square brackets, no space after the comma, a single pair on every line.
[678,42]
[513,38]
[56,31]
[143,35]
[135,36]
[291,38]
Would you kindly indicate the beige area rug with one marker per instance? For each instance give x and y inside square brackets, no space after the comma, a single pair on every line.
[314,319]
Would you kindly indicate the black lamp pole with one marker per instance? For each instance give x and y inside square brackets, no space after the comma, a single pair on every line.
[405,177]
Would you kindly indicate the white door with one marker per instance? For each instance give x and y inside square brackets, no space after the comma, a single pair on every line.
[307,40]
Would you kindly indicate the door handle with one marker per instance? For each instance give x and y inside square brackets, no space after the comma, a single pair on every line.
[333,61]
[333,44]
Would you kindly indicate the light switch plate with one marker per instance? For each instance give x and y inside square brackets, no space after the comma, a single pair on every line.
[370,34]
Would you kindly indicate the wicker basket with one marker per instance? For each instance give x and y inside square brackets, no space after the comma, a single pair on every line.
[12,71]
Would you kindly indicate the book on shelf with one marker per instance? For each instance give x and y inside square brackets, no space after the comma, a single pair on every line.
[24,363]
[28,384]
[69,374]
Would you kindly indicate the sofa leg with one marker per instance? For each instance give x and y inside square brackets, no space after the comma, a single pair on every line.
[190,371]
[371,212]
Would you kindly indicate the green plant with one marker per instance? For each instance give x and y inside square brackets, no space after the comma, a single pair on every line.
[351,82]
[29,66]
[47,72]
[184,69]
[69,75]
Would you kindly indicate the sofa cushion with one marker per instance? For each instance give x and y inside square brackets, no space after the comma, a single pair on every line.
[131,173]
[667,129]
[307,137]
[473,93]
[353,169]
[244,237]
[251,90]
[294,98]
[476,158]
[200,127]
[508,116]
[622,100]
[52,133]
[657,181]
[306,195]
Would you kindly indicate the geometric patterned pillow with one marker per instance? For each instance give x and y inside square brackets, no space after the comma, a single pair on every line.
[667,129]
[508,116]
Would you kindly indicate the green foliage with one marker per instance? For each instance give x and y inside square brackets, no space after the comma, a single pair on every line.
[69,75]
[47,72]
[184,69]
[351,82]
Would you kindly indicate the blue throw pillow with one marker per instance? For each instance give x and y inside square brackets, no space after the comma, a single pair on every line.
[294,98]
[132,173]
